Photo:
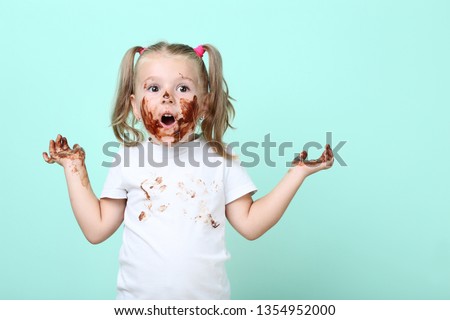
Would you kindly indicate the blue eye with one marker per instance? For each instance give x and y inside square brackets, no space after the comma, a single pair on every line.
[153,88]
[183,88]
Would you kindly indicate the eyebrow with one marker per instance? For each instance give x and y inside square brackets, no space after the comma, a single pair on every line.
[148,78]
[183,77]
[151,78]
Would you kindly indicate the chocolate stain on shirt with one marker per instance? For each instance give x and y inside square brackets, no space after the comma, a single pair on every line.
[208,219]
[142,216]
[163,207]
[188,192]
[147,196]
[206,216]
[214,224]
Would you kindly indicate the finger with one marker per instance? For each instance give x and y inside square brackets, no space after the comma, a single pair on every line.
[300,158]
[303,155]
[52,148]
[329,151]
[58,143]
[325,154]
[77,149]
[330,157]
[51,144]
[64,144]
[47,158]
[323,157]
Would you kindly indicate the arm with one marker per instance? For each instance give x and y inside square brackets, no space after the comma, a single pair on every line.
[98,219]
[253,218]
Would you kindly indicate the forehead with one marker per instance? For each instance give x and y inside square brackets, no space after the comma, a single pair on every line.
[166,65]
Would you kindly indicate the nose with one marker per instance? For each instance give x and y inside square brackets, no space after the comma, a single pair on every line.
[167,98]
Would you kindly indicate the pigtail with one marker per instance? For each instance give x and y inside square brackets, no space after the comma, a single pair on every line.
[219,109]
[125,131]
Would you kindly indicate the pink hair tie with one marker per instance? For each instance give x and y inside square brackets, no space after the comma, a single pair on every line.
[141,50]
[199,51]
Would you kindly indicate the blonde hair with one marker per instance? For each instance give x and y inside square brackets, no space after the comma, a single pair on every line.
[219,110]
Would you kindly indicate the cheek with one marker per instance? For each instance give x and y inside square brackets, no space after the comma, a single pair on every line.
[143,106]
[189,109]
[147,105]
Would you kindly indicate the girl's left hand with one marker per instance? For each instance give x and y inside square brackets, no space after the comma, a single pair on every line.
[312,166]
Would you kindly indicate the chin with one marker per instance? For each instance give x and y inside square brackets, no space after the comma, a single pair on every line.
[167,139]
[171,136]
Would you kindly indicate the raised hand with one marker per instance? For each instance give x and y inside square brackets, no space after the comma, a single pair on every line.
[312,166]
[61,153]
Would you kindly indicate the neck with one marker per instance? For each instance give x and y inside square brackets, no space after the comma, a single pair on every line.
[187,138]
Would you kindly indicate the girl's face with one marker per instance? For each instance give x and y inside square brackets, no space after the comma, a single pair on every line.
[168,95]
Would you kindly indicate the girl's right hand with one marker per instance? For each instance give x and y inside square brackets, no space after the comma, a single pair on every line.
[61,153]
[312,166]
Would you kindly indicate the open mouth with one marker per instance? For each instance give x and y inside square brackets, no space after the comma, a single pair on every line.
[167,119]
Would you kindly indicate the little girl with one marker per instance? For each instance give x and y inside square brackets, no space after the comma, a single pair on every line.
[175,191]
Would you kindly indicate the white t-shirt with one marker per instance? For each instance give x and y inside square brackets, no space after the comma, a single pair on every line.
[174,225]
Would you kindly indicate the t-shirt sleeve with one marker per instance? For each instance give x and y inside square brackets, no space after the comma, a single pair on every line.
[114,187]
[237,181]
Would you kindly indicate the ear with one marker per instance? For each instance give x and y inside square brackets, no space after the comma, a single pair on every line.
[203,104]
[136,111]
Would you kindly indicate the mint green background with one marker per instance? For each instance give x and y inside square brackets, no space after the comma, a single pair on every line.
[374,73]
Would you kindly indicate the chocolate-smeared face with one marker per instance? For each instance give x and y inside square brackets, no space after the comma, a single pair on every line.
[167,96]
[170,125]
